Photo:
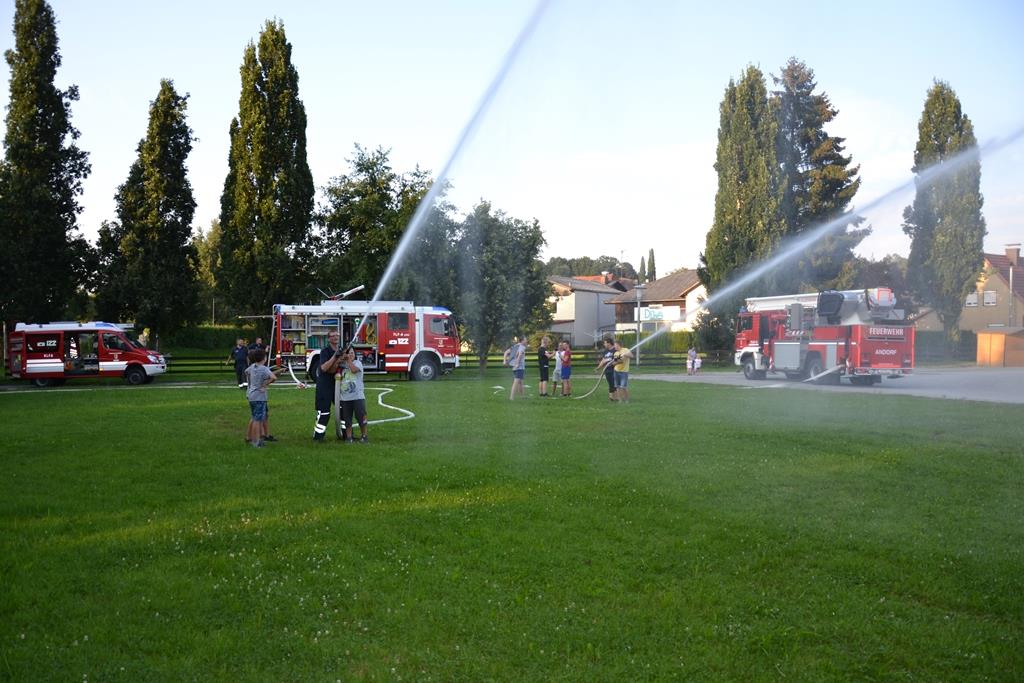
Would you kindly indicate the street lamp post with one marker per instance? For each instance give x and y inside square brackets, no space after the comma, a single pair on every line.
[639,295]
[1013,298]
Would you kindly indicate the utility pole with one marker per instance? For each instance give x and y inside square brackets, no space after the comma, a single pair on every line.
[639,293]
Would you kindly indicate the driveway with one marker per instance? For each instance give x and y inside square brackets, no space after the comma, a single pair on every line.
[995,385]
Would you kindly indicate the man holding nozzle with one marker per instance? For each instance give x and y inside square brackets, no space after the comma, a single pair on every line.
[330,367]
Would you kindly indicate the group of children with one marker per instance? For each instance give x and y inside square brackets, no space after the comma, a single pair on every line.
[614,361]
[258,377]
[562,375]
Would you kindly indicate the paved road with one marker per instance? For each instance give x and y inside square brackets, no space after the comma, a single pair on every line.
[996,385]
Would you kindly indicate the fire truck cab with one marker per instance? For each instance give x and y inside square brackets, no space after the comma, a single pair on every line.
[48,354]
[398,336]
[824,336]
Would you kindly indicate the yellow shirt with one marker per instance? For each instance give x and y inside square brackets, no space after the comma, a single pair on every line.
[623,364]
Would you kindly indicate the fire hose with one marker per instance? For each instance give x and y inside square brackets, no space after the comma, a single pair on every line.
[600,377]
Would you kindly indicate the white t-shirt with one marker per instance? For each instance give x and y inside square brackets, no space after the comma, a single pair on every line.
[352,382]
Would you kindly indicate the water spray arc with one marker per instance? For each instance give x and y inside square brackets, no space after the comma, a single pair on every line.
[423,210]
[811,236]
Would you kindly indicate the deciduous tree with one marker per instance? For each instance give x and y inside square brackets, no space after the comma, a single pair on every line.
[207,246]
[40,178]
[501,279]
[113,300]
[945,223]
[585,265]
[267,203]
[747,222]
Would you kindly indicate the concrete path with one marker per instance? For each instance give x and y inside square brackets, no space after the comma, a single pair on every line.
[995,385]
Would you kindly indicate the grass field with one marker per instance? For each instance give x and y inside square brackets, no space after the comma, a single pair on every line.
[700,532]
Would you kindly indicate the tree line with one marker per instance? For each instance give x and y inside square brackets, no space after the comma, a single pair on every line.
[271,242]
[781,174]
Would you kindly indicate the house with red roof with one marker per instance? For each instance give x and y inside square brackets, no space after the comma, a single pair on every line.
[674,300]
[998,298]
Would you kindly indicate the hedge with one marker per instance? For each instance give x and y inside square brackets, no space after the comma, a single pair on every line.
[208,337]
[933,345]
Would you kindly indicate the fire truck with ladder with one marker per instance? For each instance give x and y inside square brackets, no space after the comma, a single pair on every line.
[397,336]
[823,336]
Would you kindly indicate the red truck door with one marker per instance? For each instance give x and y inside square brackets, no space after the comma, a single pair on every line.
[439,334]
[397,340]
[114,350]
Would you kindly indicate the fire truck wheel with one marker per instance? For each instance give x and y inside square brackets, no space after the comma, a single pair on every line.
[42,383]
[425,369]
[750,370]
[814,367]
[135,375]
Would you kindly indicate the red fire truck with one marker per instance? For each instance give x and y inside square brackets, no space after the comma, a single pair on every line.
[50,353]
[824,336]
[398,336]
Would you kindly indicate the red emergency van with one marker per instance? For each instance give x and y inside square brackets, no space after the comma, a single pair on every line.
[48,354]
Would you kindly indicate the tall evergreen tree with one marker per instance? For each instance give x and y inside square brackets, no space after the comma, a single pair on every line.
[267,203]
[945,223]
[40,177]
[643,270]
[157,262]
[501,279]
[652,271]
[747,222]
[817,182]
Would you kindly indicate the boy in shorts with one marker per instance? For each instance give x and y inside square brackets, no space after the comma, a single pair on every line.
[353,396]
[566,355]
[622,356]
[259,377]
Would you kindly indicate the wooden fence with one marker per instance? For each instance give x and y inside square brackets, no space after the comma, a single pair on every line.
[205,365]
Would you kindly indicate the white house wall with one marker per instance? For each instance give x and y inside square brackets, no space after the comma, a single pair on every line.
[584,317]
[565,308]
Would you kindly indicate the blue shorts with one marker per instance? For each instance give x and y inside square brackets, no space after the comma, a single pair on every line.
[621,380]
[518,374]
[566,372]
[259,410]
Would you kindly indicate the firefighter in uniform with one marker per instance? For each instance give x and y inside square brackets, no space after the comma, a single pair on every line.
[330,365]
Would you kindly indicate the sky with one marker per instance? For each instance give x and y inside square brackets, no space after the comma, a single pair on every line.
[605,126]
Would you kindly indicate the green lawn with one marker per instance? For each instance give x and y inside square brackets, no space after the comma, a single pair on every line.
[700,532]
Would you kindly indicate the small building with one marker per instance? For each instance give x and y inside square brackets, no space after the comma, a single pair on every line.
[997,300]
[1001,348]
[673,299]
[580,314]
